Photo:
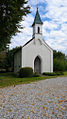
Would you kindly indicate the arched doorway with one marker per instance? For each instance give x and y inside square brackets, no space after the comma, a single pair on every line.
[37,65]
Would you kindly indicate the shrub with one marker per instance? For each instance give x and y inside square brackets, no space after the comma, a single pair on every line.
[26,72]
[59,73]
[49,73]
[53,73]
[36,75]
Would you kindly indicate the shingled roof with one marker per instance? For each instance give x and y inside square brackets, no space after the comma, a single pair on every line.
[37,19]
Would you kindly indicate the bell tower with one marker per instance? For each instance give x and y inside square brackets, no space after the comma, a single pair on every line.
[37,26]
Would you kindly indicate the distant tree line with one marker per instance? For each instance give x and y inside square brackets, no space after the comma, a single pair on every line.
[59,61]
[7,60]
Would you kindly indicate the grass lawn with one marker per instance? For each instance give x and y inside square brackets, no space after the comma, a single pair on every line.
[8,79]
[65,73]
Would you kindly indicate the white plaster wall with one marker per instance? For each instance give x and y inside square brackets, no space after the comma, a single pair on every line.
[35,29]
[51,60]
[17,61]
[37,48]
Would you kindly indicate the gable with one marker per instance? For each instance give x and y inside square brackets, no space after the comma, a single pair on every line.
[37,42]
[47,45]
[27,42]
[42,42]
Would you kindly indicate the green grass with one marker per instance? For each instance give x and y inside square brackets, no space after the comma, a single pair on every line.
[65,73]
[9,79]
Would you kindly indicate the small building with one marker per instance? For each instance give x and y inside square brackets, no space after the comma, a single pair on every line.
[36,53]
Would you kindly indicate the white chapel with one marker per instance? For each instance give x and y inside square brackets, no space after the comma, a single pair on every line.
[36,53]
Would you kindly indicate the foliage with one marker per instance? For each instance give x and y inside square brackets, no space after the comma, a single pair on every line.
[10,58]
[66,66]
[35,75]
[7,59]
[66,63]
[59,65]
[26,72]
[58,55]
[59,61]
[49,74]
[11,13]
[53,74]
[2,59]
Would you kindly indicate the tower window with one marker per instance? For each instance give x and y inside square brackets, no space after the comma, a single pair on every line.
[38,29]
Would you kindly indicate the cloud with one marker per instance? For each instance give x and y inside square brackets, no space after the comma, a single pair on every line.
[55,29]
[56,11]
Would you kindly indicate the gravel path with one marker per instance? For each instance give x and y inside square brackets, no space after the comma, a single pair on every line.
[46,99]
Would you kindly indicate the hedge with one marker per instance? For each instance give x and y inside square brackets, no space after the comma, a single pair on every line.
[53,73]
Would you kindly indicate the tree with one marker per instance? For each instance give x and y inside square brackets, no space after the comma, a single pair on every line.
[11,13]
[59,62]
[59,65]
[65,63]
[10,58]
[58,55]
[2,59]
[7,59]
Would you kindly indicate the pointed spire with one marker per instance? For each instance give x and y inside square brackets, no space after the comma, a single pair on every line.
[37,5]
[37,19]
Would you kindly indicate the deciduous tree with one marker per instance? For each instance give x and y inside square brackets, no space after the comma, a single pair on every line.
[11,13]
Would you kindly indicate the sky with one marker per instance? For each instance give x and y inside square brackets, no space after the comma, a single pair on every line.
[54,16]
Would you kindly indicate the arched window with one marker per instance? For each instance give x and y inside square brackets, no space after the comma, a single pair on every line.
[38,29]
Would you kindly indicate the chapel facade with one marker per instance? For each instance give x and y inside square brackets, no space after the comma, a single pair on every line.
[36,53]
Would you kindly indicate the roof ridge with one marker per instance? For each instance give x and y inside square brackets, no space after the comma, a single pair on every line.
[28,42]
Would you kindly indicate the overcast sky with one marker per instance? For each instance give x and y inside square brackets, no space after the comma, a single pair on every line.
[54,16]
